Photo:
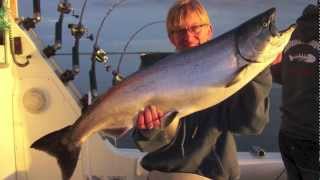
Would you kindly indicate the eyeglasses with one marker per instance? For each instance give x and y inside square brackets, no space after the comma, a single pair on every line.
[195,30]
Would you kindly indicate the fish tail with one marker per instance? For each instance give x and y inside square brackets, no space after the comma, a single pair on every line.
[66,155]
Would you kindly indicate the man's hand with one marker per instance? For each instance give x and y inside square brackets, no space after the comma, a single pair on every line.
[149,118]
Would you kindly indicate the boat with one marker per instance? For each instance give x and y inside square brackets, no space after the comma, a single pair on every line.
[34,101]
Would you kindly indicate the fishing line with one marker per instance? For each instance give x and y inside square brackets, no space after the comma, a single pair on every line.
[113,53]
[82,11]
[184,134]
[277,178]
[117,3]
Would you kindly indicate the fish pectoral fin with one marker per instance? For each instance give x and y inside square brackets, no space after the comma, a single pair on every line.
[239,75]
[114,132]
[168,118]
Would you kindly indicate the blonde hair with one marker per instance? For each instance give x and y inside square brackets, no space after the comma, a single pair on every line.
[183,8]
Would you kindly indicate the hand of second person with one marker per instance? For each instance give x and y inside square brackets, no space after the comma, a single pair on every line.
[278,59]
[149,118]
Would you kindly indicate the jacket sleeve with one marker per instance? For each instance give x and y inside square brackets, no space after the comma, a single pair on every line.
[276,73]
[247,111]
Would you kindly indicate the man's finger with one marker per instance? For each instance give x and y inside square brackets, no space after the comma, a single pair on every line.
[141,122]
[150,126]
[147,116]
[154,113]
[160,114]
[156,123]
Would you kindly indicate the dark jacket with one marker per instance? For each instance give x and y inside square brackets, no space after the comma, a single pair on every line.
[298,72]
[204,143]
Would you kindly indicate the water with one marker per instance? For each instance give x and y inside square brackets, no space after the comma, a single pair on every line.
[133,14]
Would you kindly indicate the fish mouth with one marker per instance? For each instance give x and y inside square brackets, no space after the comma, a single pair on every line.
[275,32]
[283,35]
[292,27]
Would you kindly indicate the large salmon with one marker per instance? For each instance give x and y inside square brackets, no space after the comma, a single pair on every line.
[179,84]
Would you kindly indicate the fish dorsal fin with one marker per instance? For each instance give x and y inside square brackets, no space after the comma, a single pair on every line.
[115,132]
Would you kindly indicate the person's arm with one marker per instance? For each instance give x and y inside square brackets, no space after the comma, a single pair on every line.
[147,135]
[247,111]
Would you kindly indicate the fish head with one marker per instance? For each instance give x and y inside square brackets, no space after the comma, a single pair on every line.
[258,39]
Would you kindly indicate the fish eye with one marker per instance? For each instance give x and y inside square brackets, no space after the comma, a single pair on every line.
[266,23]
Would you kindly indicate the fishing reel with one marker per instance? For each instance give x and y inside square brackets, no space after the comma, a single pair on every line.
[100,55]
[68,75]
[117,77]
[30,23]
[64,7]
[51,50]
[77,30]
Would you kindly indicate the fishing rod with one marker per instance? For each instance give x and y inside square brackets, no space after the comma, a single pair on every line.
[117,72]
[99,54]
[77,31]
[30,23]
[64,7]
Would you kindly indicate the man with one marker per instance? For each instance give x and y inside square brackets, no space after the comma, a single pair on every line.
[203,142]
[298,73]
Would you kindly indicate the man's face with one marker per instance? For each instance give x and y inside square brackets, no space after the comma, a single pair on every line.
[191,33]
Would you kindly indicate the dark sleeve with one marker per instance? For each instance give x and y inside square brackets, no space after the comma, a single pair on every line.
[276,73]
[150,140]
[247,111]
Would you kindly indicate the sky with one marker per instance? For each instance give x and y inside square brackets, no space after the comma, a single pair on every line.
[131,15]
